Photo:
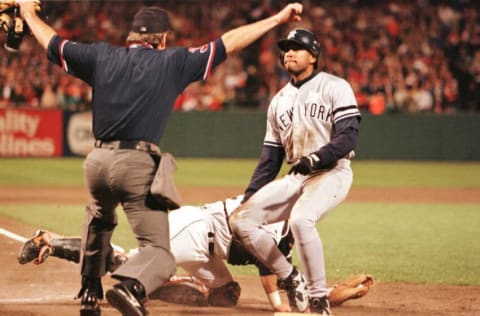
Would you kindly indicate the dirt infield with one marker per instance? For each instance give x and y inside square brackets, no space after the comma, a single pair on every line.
[49,289]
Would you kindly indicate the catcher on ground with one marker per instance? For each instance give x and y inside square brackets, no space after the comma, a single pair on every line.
[200,241]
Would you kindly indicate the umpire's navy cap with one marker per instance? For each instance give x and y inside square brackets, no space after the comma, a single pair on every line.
[302,37]
[151,20]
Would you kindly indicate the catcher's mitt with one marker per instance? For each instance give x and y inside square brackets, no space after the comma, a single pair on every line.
[183,290]
[352,288]
[12,23]
[9,5]
[37,248]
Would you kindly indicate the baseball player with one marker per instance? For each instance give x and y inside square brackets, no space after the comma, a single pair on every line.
[313,122]
[201,242]
[134,89]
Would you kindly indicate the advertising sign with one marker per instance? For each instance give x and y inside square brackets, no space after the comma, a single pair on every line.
[79,135]
[31,133]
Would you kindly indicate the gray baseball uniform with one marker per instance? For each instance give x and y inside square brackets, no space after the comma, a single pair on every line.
[307,117]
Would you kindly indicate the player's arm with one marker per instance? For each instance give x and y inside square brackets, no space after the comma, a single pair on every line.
[271,157]
[269,165]
[42,31]
[269,279]
[341,145]
[346,121]
[269,283]
[44,243]
[243,36]
[343,141]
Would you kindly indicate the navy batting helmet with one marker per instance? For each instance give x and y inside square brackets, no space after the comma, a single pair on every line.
[302,37]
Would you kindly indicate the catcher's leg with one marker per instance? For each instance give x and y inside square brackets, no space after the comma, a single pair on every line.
[42,245]
[36,248]
[213,273]
[39,247]
[67,248]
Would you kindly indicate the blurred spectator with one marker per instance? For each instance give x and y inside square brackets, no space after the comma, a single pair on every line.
[49,98]
[400,56]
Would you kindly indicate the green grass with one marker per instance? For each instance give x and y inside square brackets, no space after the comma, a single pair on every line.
[417,243]
[416,174]
[237,172]
[49,171]
[425,243]
[421,243]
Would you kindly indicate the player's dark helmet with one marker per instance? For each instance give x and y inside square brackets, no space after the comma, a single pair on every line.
[302,37]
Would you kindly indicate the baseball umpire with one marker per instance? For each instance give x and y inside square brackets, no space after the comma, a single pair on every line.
[313,121]
[200,241]
[134,89]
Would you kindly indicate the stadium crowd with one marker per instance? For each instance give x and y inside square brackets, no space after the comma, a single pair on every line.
[399,56]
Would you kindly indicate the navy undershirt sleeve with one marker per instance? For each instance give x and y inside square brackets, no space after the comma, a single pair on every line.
[344,140]
[269,165]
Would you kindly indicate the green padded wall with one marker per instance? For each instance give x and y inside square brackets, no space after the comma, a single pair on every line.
[403,137]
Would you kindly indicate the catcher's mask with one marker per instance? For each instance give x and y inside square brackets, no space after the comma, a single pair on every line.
[303,38]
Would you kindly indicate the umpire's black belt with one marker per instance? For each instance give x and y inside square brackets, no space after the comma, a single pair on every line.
[128,144]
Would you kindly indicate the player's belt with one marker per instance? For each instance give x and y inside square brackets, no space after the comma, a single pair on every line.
[128,144]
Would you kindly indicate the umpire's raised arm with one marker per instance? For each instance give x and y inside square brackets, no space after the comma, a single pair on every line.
[239,38]
[234,40]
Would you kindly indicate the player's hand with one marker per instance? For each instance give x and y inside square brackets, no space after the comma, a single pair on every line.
[291,13]
[305,165]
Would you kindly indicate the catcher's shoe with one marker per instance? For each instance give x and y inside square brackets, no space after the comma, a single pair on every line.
[36,249]
[320,306]
[127,297]
[296,288]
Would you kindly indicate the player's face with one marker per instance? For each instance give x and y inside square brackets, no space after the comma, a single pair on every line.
[298,61]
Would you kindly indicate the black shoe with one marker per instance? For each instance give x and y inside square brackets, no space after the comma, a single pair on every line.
[90,294]
[320,305]
[90,304]
[127,297]
[296,288]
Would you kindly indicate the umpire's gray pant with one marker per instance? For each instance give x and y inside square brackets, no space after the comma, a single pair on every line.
[122,176]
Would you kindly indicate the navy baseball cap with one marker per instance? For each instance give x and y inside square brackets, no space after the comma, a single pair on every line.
[302,37]
[151,20]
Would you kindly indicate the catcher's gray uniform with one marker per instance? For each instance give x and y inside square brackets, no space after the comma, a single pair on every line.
[313,123]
